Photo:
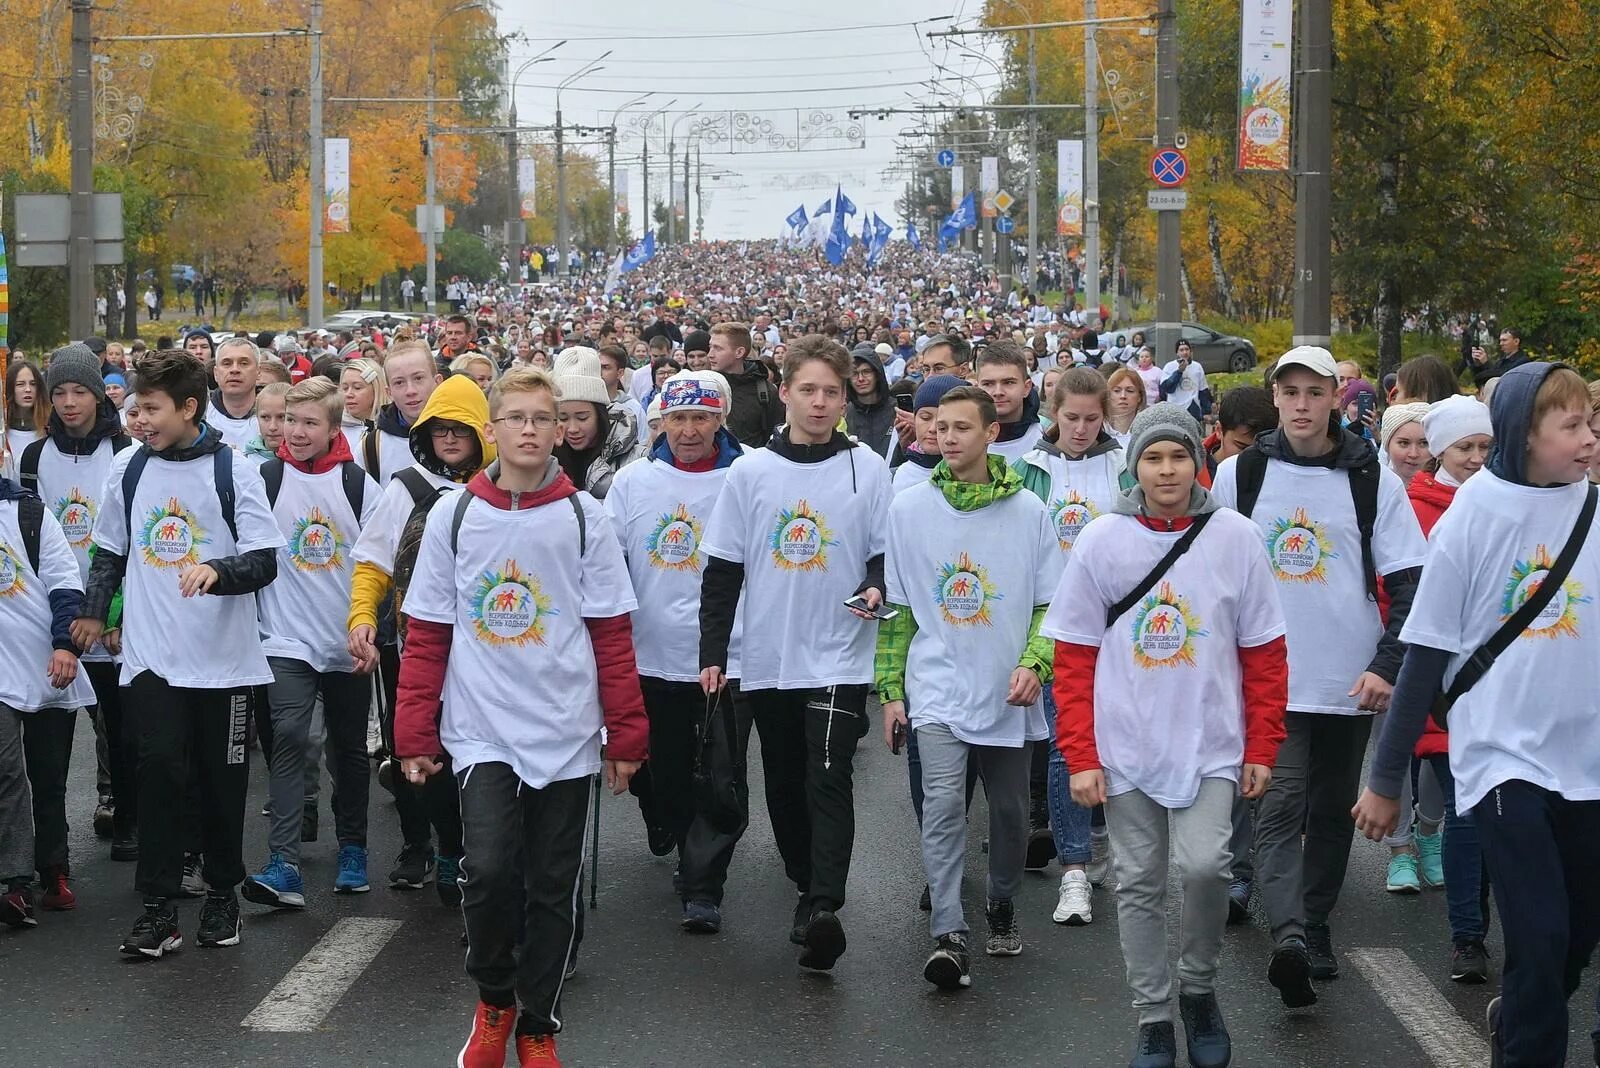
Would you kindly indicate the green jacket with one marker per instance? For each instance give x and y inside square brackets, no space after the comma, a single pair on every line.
[895,635]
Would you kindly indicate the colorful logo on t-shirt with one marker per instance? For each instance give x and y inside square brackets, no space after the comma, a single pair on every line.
[964,593]
[1164,630]
[510,608]
[674,544]
[171,536]
[1071,514]
[801,538]
[316,543]
[76,513]
[11,580]
[1559,618]
[1299,549]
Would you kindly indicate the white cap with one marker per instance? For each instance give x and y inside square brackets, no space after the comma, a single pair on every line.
[1454,418]
[1319,361]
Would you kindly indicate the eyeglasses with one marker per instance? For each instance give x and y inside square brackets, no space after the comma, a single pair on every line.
[439,433]
[518,421]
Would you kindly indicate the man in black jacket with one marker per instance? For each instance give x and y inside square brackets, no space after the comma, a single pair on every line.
[756,409]
[1482,368]
[869,415]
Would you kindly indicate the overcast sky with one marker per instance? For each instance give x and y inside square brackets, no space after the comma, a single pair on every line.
[755,64]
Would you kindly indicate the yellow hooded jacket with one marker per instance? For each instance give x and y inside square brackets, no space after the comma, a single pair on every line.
[458,399]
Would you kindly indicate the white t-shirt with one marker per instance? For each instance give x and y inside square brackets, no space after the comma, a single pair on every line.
[72,487]
[380,533]
[804,533]
[1080,490]
[16,441]
[236,433]
[1189,386]
[25,641]
[521,686]
[205,642]
[1168,686]
[659,514]
[1307,521]
[909,474]
[1017,448]
[972,580]
[394,454]
[1532,715]
[303,611]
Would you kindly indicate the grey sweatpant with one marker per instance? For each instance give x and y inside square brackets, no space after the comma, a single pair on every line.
[1142,831]
[944,820]
[292,696]
[16,801]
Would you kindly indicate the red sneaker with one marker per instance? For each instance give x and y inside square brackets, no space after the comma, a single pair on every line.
[58,896]
[486,1045]
[537,1051]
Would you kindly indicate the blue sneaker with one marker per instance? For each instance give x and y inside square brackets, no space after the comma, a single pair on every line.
[1430,857]
[701,917]
[352,871]
[278,884]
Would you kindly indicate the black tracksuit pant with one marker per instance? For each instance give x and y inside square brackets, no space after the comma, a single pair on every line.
[122,750]
[433,806]
[665,785]
[47,752]
[180,731]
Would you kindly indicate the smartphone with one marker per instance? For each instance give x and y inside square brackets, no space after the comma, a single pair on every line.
[1365,403]
[897,738]
[881,612]
[904,401]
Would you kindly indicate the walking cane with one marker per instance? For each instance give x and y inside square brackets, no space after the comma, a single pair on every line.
[594,849]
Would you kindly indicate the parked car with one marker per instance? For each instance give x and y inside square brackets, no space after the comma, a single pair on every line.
[350,320]
[1217,353]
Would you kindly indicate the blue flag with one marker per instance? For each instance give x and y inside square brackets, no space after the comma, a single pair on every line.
[913,238]
[845,205]
[825,208]
[639,254]
[879,239]
[797,218]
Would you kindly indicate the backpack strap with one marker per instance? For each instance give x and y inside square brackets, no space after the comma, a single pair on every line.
[272,476]
[583,524]
[119,442]
[222,472]
[1250,471]
[456,520]
[30,518]
[416,485]
[130,483]
[28,465]
[1164,565]
[466,499]
[369,452]
[1364,495]
[355,485]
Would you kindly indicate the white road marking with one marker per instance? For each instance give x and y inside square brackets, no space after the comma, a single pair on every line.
[1444,1036]
[303,999]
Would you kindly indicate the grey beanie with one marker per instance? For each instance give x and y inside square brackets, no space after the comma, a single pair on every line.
[1163,422]
[75,363]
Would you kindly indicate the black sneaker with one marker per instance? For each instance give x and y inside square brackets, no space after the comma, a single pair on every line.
[1290,971]
[155,932]
[925,902]
[105,816]
[125,846]
[194,879]
[949,966]
[701,917]
[824,941]
[412,867]
[1005,936]
[16,906]
[308,822]
[1204,1032]
[1041,849]
[1319,943]
[1239,891]
[802,920]
[219,921]
[1469,963]
[1157,1046]
[1497,1053]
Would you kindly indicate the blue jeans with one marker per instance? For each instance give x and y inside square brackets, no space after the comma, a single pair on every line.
[1069,821]
[1466,892]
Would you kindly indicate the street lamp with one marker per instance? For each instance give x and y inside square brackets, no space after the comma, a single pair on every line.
[644,122]
[672,148]
[561,156]
[611,167]
[513,180]
[431,233]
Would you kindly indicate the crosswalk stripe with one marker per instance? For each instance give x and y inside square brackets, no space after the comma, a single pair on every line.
[304,997]
[1447,1039]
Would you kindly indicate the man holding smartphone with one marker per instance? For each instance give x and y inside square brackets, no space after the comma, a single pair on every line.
[800,526]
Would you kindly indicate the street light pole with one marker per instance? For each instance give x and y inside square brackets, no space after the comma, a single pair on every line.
[611,167]
[1091,164]
[1168,254]
[1033,166]
[561,158]
[430,235]
[1313,253]
[314,180]
[80,221]
[514,228]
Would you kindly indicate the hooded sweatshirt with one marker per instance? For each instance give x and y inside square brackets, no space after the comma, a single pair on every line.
[474,685]
[871,424]
[1075,489]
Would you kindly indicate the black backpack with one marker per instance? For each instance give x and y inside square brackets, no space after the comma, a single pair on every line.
[1252,472]
[30,520]
[222,474]
[423,497]
[355,482]
[28,464]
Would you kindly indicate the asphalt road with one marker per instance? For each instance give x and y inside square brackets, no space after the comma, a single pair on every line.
[646,994]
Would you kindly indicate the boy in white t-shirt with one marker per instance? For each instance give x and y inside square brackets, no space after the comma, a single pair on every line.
[518,651]
[1332,521]
[320,499]
[1001,369]
[971,562]
[186,530]
[1170,684]
[40,593]
[800,528]
[1524,748]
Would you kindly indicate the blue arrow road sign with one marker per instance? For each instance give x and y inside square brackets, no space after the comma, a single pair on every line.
[1005,224]
[947,158]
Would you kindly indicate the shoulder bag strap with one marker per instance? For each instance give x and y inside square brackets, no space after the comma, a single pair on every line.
[1179,547]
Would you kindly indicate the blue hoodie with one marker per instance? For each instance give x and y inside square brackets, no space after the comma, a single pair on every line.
[1511,414]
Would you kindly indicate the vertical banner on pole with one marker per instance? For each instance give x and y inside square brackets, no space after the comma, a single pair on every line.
[1069,188]
[989,182]
[336,185]
[958,186]
[622,191]
[527,186]
[1265,71]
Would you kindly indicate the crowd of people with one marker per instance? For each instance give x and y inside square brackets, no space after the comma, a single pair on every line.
[508,555]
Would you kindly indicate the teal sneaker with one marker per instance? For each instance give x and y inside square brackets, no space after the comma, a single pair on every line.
[1403,874]
[278,884]
[352,877]
[1430,858]
[447,881]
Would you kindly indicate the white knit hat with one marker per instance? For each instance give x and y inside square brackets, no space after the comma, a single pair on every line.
[1396,416]
[1454,418]
[577,375]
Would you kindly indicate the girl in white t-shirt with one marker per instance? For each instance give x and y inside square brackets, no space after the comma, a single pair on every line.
[1171,703]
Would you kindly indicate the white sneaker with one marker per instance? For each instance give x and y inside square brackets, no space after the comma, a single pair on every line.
[1072,907]
[1099,858]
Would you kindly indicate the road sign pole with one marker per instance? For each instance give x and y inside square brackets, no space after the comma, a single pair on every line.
[1313,251]
[1169,260]
[80,258]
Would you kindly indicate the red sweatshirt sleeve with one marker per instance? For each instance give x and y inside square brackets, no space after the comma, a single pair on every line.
[1266,694]
[421,686]
[627,729]
[1074,693]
